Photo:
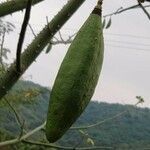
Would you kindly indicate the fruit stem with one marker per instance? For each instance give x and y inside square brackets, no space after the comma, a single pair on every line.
[98,8]
[99,4]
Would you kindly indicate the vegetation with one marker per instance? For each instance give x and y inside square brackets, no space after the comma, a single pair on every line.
[25,107]
[129,131]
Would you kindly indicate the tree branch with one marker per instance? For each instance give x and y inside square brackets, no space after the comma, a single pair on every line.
[22,35]
[12,6]
[9,78]
[121,10]
[32,30]
[105,120]
[17,140]
[144,10]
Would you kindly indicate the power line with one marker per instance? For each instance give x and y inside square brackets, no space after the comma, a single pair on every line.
[123,42]
[130,43]
[127,35]
[126,47]
[105,33]
[114,34]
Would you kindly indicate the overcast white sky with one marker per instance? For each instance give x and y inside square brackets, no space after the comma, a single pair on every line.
[126,67]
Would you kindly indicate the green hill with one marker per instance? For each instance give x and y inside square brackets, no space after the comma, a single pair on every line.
[129,131]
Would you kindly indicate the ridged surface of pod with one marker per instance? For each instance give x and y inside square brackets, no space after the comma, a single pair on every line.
[77,77]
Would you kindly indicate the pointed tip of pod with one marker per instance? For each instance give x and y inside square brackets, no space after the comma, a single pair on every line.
[52,136]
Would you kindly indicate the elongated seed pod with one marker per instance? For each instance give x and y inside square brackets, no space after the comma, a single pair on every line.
[77,77]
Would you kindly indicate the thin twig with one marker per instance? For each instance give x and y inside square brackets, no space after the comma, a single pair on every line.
[99,123]
[68,41]
[18,119]
[22,129]
[103,121]
[32,30]
[55,38]
[60,36]
[17,140]
[15,112]
[22,35]
[62,41]
[64,148]
[121,10]
[144,10]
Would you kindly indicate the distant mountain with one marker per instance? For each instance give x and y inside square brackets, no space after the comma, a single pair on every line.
[129,131]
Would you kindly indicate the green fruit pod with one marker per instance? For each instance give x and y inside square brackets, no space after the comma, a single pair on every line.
[77,77]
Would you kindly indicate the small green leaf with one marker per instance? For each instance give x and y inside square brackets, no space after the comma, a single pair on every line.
[104,23]
[49,47]
[109,23]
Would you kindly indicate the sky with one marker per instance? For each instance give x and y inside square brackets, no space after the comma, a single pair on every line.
[126,67]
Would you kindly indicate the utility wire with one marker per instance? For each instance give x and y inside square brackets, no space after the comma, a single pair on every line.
[128,35]
[116,34]
[126,47]
[106,33]
[127,42]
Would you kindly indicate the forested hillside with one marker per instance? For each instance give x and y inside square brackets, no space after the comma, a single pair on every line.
[129,131]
